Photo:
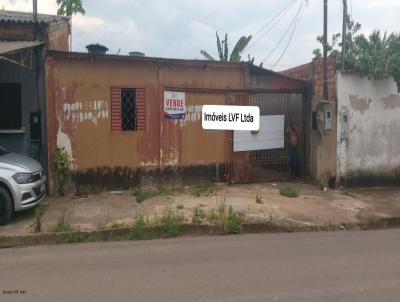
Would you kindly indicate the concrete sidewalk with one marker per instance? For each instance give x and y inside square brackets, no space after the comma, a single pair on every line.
[313,207]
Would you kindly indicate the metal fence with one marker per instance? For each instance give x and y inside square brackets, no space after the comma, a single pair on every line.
[272,164]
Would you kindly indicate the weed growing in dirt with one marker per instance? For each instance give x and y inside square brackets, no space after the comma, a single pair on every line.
[37,223]
[198,215]
[203,190]
[259,199]
[227,219]
[63,224]
[142,195]
[170,223]
[288,191]
[139,230]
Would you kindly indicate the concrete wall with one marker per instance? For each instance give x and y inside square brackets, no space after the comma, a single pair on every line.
[368,146]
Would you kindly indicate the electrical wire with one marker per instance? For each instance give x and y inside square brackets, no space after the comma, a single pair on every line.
[285,33]
[290,38]
[279,15]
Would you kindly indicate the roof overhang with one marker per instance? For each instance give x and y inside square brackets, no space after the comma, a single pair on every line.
[18,52]
[12,46]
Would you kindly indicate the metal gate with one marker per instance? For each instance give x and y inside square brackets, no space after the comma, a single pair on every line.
[272,164]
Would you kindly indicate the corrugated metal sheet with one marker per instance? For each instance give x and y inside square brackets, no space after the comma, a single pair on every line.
[6,46]
[24,17]
[84,55]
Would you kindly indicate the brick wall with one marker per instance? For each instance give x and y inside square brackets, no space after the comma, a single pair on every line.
[321,149]
[59,39]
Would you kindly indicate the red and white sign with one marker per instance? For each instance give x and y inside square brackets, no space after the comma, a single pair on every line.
[174,104]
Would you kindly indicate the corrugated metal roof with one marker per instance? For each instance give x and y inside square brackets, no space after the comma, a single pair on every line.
[6,46]
[23,17]
[252,68]
[72,54]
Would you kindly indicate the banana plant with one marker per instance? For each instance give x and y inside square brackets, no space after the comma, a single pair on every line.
[223,49]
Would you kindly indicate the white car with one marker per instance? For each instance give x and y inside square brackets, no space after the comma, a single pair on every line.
[22,184]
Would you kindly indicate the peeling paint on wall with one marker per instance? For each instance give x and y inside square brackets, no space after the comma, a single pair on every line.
[368,137]
[63,141]
[193,113]
[391,102]
[81,112]
[358,103]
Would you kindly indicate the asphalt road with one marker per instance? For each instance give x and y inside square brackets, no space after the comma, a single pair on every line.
[324,266]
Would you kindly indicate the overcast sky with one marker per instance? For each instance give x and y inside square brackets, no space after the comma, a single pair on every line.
[181,28]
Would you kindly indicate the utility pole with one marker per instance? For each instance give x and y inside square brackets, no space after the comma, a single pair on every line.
[344,32]
[35,19]
[325,59]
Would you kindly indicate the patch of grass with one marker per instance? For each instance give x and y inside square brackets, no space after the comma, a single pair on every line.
[37,223]
[288,191]
[203,190]
[170,223]
[142,195]
[227,219]
[140,229]
[259,199]
[198,215]
[63,224]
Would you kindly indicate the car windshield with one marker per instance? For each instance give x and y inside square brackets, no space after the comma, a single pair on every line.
[3,151]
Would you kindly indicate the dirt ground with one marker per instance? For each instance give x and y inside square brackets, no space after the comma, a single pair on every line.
[312,207]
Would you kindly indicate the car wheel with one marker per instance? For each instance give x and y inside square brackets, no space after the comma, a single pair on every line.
[6,206]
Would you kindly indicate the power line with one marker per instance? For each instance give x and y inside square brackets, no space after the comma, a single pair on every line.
[276,16]
[285,33]
[279,15]
[290,38]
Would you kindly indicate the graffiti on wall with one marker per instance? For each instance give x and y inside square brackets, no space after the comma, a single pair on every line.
[85,112]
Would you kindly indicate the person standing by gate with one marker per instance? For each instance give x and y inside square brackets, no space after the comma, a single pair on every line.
[293,139]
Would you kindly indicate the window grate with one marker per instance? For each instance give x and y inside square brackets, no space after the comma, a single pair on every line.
[128,109]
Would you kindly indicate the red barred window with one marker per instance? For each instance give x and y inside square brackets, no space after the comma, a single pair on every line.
[128,109]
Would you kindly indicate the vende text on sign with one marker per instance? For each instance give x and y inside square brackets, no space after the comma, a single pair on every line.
[226,117]
[174,104]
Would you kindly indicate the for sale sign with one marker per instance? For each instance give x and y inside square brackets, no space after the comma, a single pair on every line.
[174,105]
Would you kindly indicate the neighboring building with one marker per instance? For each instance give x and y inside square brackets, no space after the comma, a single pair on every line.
[22,100]
[355,138]
[108,112]
[368,136]
[54,31]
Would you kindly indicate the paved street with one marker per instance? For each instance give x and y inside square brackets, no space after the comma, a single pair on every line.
[324,266]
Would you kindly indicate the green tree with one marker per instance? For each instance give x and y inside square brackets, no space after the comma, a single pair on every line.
[70,7]
[377,55]
[223,49]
